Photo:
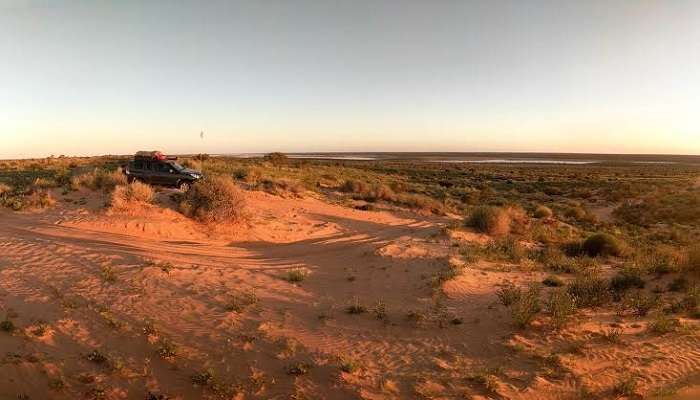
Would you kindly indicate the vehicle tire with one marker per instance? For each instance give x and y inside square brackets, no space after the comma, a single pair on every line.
[184,185]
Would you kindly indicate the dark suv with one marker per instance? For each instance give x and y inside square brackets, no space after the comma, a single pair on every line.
[155,168]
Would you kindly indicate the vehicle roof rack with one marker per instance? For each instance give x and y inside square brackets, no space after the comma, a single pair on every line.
[153,155]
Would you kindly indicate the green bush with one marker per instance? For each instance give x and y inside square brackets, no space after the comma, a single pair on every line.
[625,280]
[602,244]
[553,281]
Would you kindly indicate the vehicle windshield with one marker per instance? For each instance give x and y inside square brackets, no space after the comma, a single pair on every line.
[177,166]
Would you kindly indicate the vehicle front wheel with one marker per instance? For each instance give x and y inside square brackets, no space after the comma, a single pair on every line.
[184,186]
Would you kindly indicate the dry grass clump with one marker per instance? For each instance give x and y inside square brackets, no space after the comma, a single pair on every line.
[492,220]
[99,179]
[543,212]
[498,221]
[132,194]
[215,199]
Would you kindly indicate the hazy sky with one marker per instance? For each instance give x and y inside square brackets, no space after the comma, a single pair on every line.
[96,77]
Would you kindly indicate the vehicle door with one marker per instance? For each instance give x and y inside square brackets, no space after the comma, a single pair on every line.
[163,173]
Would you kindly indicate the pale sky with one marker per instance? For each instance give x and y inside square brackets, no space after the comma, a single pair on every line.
[98,77]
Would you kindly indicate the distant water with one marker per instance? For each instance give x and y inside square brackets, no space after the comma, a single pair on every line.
[519,161]
[465,158]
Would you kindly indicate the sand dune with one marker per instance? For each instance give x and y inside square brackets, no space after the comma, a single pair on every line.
[164,299]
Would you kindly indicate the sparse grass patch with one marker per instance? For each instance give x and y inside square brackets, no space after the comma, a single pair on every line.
[203,379]
[561,307]
[508,294]
[356,307]
[663,324]
[641,303]
[295,275]
[589,290]
[241,301]
[626,386]
[612,335]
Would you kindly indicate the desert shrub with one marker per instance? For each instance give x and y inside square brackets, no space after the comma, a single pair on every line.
[7,326]
[627,279]
[508,294]
[4,189]
[192,164]
[543,212]
[276,158]
[553,281]
[526,307]
[354,186]
[33,199]
[573,248]
[134,193]
[99,179]
[561,306]
[663,324]
[692,261]
[215,199]
[44,183]
[658,260]
[678,284]
[691,300]
[492,220]
[295,275]
[507,248]
[577,213]
[641,303]
[589,290]
[420,202]
[356,307]
[282,186]
[39,199]
[626,386]
[602,244]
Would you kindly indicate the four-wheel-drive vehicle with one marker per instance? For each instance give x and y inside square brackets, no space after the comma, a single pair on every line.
[158,169]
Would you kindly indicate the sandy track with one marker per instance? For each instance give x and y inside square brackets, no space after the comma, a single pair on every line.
[53,272]
[82,276]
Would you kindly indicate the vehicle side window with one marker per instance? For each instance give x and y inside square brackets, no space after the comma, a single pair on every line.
[162,167]
[147,165]
[137,165]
